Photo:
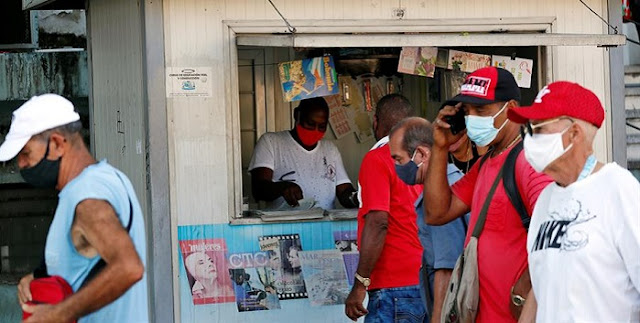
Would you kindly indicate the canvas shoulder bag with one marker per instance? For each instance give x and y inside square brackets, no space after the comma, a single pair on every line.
[461,301]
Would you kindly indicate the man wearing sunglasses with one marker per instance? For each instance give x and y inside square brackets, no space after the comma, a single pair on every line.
[584,236]
[485,97]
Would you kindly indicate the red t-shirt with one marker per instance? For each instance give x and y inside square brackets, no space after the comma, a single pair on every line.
[502,254]
[382,190]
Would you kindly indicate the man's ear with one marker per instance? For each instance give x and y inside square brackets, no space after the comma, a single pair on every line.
[57,143]
[425,153]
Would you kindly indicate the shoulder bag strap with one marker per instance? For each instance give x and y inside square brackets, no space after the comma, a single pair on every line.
[100,264]
[511,187]
[477,229]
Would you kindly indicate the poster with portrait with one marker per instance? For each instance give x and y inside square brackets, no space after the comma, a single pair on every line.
[325,277]
[346,240]
[308,78]
[254,282]
[284,260]
[205,263]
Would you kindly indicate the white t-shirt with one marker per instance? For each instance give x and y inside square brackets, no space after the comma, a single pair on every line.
[584,249]
[317,172]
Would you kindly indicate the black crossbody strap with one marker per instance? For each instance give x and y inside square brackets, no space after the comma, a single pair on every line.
[101,264]
[477,229]
[511,187]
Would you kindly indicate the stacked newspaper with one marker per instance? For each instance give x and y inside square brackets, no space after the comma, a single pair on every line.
[342,214]
[305,210]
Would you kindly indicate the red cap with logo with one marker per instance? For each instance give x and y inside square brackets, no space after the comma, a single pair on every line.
[487,85]
[561,99]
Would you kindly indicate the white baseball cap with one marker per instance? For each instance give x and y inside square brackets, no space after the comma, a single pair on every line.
[39,114]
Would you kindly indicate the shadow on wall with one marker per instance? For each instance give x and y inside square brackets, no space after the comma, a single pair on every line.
[9,306]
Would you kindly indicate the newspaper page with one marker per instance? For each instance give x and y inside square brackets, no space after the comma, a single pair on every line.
[325,277]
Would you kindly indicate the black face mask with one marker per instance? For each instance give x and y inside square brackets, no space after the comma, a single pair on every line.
[44,174]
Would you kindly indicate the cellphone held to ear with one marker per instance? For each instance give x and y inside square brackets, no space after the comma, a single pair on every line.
[456,122]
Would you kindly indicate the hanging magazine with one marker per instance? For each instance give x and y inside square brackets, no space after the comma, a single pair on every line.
[283,252]
[325,277]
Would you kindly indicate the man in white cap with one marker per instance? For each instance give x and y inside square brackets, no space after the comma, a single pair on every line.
[584,237]
[98,222]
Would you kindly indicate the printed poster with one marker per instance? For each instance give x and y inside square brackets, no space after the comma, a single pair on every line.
[254,282]
[338,117]
[418,61]
[521,68]
[308,78]
[189,82]
[346,240]
[284,260]
[205,263]
[467,62]
[351,259]
[325,277]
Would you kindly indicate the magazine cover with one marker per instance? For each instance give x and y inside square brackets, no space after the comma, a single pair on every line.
[418,61]
[351,259]
[207,272]
[521,68]
[284,261]
[346,240]
[308,78]
[253,282]
[467,62]
[325,277]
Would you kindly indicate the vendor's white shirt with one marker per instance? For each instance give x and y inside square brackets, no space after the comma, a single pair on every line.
[584,249]
[317,172]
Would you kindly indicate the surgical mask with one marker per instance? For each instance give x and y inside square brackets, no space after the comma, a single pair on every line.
[44,174]
[481,130]
[409,171]
[308,137]
[541,150]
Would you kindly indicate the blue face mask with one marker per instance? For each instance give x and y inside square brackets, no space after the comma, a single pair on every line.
[409,171]
[481,130]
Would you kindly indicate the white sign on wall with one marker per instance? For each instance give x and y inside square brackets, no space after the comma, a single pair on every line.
[189,82]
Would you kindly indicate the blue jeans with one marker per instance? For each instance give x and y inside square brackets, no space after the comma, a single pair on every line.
[399,305]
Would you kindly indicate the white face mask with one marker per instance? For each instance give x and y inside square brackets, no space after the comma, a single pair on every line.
[541,150]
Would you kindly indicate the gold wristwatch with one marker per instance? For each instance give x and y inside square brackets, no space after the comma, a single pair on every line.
[516,299]
[365,281]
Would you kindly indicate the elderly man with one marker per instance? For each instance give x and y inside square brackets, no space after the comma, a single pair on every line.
[410,143]
[584,237]
[502,257]
[390,251]
[289,165]
[98,221]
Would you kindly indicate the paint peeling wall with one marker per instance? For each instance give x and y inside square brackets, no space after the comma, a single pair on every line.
[23,75]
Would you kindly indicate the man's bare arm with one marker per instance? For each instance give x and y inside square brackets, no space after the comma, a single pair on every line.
[440,283]
[97,221]
[264,188]
[441,206]
[343,193]
[373,235]
[528,314]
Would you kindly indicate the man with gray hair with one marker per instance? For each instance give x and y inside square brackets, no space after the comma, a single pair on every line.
[584,236]
[410,144]
[96,241]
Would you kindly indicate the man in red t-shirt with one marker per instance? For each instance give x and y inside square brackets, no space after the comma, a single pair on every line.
[502,256]
[390,251]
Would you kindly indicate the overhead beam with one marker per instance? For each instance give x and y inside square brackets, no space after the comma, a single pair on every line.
[430,39]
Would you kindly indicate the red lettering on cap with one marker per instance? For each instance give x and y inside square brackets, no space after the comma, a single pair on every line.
[476,86]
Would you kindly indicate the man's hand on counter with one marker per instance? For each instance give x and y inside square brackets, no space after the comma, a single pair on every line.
[291,193]
[347,195]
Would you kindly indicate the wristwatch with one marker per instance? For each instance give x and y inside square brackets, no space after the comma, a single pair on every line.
[516,299]
[365,281]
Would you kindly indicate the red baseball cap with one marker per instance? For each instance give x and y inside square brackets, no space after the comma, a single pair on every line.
[487,85]
[561,99]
